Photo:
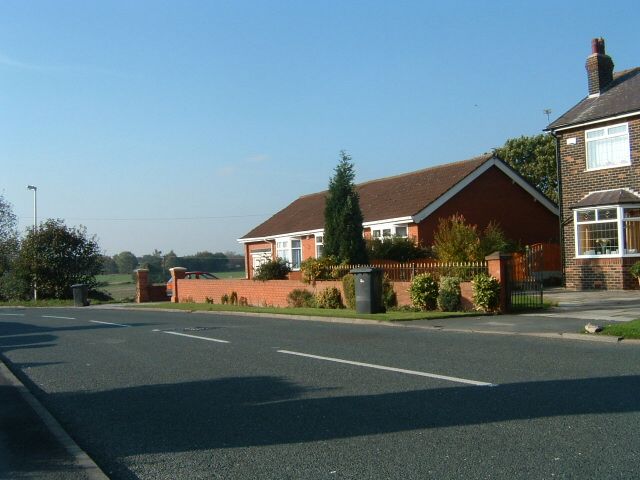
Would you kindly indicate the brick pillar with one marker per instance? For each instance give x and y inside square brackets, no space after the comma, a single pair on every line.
[142,285]
[497,266]
[177,273]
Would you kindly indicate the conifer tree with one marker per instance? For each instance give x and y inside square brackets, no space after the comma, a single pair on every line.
[342,216]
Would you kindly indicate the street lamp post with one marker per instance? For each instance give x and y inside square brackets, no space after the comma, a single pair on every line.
[35,229]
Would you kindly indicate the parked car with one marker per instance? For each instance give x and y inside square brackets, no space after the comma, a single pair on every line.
[190,276]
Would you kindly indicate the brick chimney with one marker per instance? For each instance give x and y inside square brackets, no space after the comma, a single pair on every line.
[599,68]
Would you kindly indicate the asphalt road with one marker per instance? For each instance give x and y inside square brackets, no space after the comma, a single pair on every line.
[162,396]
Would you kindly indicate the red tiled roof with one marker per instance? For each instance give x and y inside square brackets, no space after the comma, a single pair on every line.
[390,197]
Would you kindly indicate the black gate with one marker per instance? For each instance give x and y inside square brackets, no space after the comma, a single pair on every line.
[524,279]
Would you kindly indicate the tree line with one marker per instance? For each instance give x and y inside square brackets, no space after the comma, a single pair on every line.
[52,257]
[159,264]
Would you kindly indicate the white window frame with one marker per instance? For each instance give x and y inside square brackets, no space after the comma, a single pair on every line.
[319,244]
[377,231]
[285,248]
[625,162]
[620,220]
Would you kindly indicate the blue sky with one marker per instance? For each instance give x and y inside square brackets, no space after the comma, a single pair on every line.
[182,124]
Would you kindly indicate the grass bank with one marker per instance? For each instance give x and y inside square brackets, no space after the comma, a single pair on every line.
[627,329]
[391,316]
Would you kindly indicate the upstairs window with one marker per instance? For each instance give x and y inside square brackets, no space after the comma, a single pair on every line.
[608,147]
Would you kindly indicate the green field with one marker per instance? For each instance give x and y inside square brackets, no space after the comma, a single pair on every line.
[119,285]
[122,287]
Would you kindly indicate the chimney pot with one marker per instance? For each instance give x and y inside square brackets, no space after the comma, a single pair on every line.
[597,45]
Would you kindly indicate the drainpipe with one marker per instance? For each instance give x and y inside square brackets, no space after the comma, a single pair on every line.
[559,174]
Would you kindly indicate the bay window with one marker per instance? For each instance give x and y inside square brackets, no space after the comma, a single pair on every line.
[607,230]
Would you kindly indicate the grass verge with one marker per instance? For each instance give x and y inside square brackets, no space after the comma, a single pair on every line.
[627,329]
[37,303]
[314,312]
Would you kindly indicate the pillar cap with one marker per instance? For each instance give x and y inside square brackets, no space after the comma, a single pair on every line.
[177,269]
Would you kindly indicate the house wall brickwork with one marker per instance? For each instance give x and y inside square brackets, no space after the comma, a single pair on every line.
[252,247]
[577,182]
[495,197]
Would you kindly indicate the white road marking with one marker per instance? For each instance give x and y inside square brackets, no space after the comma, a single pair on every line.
[60,318]
[392,369]
[12,314]
[109,323]
[194,336]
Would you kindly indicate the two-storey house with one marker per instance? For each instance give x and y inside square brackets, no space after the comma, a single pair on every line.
[599,174]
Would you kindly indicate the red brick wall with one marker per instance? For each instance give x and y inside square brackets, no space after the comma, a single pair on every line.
[494,197]
[274,293]
[577,182]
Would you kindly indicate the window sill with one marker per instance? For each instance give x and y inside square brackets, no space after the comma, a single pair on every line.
[608,167]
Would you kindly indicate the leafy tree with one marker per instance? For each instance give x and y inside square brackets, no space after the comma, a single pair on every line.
[58,257]
[492,240]
[343,217]
[8,235]
[455,240]
[535,159]
[126,262]
[171,260]
[10,286]
[108,265]
[154,262]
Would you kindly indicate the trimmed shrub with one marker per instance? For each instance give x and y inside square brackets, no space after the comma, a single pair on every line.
[276,269]
[349,289]
[224,299]
[424,291]
[301,298]
[449,294]
[233,298]
[486,292]
[329,298]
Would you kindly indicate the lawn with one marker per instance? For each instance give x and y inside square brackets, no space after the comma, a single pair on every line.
[392,316]
[627,329]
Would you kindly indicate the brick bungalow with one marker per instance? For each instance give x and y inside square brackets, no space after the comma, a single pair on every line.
[598,144]
[483,189]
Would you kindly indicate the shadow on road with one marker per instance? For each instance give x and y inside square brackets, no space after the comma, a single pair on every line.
[254,411]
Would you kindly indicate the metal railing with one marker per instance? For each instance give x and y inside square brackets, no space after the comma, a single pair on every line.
[405,272]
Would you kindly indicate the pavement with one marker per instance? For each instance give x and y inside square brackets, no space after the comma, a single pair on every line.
[34,445]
